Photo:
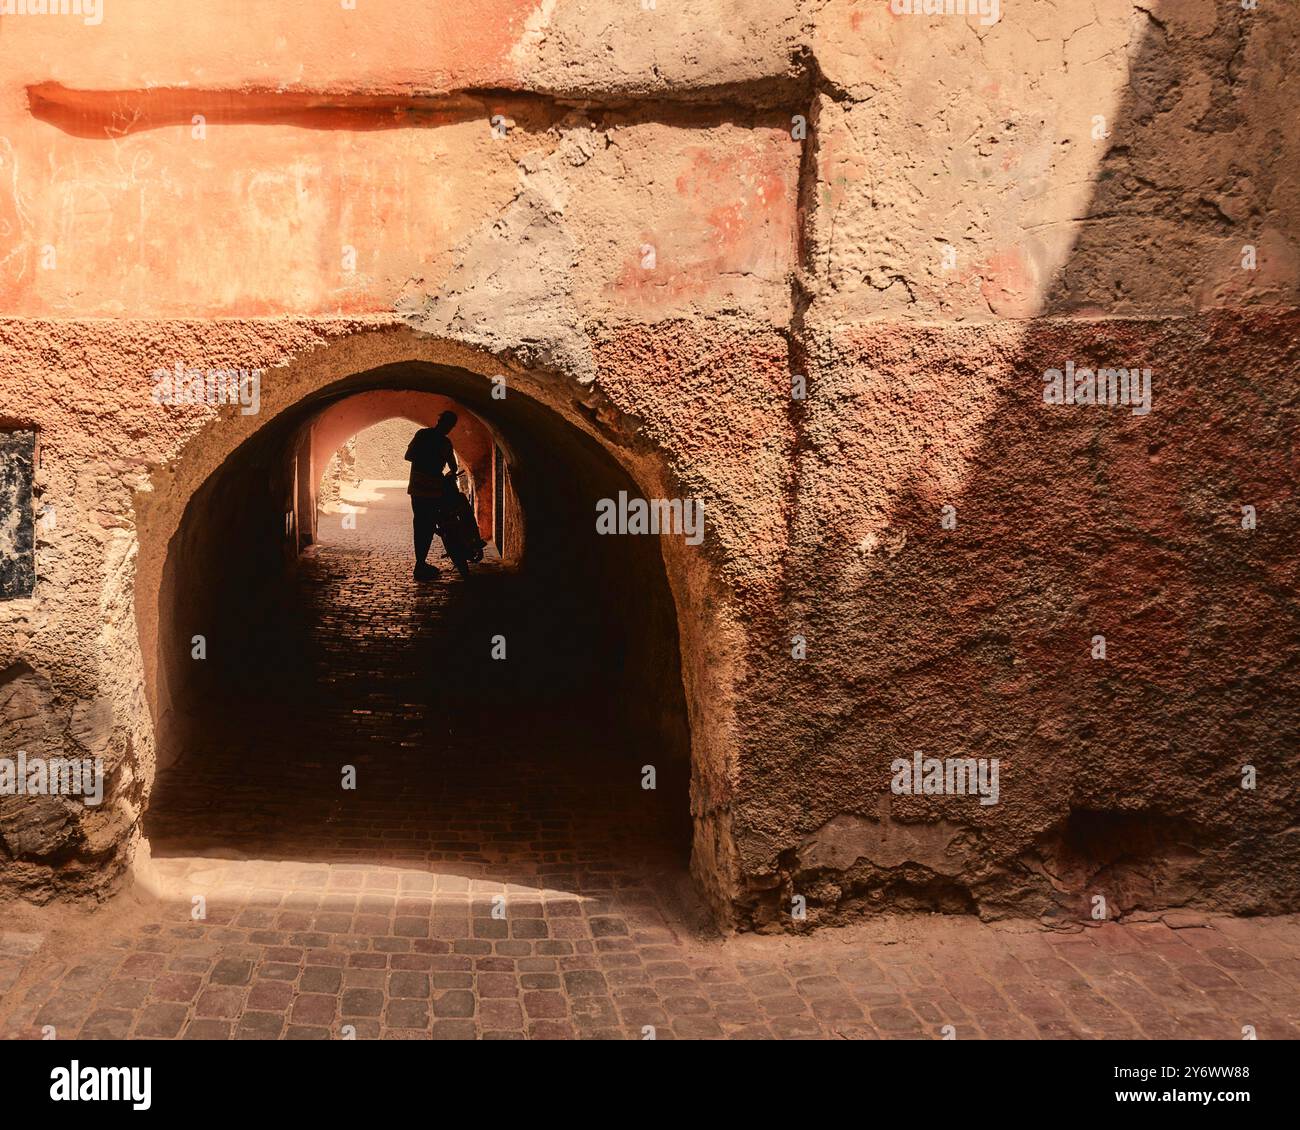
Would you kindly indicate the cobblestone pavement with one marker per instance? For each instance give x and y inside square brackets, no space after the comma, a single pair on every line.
[501,874]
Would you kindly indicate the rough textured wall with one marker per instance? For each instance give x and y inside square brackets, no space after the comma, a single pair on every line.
[380,450]
[338,470]
[653,222]
[991,203]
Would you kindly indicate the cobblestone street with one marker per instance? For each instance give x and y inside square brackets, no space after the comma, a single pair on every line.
[499,872]
[403,955]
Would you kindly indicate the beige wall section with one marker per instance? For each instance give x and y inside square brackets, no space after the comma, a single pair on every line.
[1130,148]
[380,450]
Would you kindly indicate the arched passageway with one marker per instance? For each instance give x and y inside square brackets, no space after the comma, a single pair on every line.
[496,729]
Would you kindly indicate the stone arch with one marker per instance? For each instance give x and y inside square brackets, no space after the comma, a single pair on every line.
[566,414]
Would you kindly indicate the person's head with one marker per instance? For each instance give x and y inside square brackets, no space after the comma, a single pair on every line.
[446,422]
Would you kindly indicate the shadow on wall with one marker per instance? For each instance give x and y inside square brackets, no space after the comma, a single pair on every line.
[1120,777]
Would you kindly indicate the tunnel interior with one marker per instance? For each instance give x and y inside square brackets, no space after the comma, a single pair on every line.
[501,725]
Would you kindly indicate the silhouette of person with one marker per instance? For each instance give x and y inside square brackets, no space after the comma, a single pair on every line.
[432,487]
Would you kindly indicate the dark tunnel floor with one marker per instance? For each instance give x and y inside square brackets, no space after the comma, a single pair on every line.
[516,770]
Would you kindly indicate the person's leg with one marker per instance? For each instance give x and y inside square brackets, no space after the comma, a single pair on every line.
[422,523]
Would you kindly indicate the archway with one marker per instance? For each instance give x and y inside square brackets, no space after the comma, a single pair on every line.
[539,693]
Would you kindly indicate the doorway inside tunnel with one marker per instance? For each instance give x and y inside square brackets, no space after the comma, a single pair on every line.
[317,705]
[361,499]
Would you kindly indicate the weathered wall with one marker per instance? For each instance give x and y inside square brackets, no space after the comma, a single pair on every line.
[1097,173]
[651,251]
[380,450]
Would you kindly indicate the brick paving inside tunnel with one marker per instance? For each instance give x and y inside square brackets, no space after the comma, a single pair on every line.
[371,912]
[497,768]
